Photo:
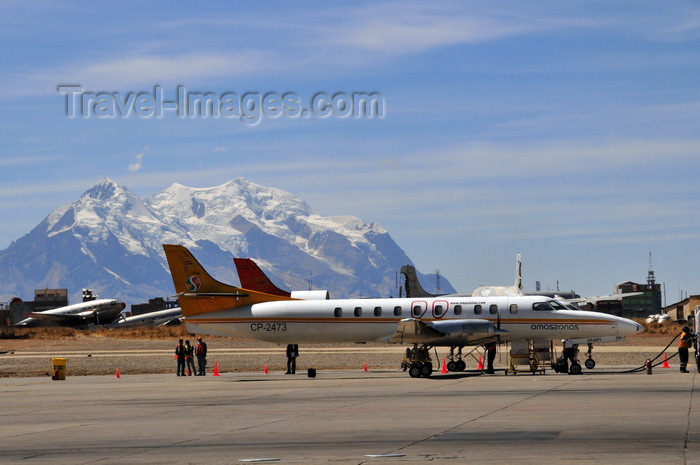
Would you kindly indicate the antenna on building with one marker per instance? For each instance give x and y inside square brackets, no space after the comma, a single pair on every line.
[651,279]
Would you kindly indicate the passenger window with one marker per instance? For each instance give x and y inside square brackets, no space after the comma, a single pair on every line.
[417,311]
[377,311]
[477,309]
[397,311]
[493,309]
[458,309]
[438,310]
[358,311]
[338,312]
[513,308]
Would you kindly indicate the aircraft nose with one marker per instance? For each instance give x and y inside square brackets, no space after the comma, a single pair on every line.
[628,328]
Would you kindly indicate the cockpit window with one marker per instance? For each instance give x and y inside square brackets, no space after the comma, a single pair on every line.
[549,305]
[569,305]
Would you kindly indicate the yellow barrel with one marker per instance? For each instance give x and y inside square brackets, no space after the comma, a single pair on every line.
[59,368]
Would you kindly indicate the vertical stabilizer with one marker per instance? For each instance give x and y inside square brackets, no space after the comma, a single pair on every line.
[252,277]
[199,293]
[518,274]
[412,285]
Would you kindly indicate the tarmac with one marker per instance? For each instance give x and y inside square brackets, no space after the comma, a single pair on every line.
[353,417]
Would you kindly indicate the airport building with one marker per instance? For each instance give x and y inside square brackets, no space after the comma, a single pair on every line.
[47,299]
[642,305]
[683,310]
[153,305]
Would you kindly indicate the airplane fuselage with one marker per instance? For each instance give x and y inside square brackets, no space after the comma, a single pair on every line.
[104,310]
[365,320]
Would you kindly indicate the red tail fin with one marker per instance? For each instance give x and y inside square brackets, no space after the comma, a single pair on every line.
[252,277]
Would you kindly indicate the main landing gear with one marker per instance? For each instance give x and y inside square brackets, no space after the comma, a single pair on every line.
[418,362]
[454,361]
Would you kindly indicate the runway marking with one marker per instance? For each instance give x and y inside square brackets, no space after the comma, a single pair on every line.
[260,460]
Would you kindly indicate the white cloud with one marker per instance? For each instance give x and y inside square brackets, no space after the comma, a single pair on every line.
[138,164]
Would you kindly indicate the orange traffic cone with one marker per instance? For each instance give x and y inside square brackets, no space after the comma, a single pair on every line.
[481,364]
[364,366]
[265,370]
[444,366]
[216,369]
[117,375]
[665,365]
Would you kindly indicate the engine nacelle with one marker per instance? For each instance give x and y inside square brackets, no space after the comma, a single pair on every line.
[462,332]
[445,332]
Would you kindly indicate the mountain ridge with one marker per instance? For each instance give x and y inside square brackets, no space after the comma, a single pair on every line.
[109,240]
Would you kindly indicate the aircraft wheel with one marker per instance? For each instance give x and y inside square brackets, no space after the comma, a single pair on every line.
[414,371]
[590,363]
[575,369]
[461,365]
[452,366]
[426,370]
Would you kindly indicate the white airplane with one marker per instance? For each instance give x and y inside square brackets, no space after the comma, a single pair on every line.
[101,311]
[169,316]
[212,307]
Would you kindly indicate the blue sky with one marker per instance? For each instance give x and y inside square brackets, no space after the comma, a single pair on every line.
[567,131]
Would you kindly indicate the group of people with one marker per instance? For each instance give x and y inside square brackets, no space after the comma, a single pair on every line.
[185,353]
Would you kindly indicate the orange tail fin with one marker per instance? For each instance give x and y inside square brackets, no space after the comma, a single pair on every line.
[199,293]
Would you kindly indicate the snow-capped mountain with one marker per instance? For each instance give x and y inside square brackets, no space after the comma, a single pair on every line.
[109,240]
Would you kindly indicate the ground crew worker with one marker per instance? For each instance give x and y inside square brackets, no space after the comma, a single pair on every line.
[180,354]
[490,356]
[292,354]
[569,349]
[200,350]
[189,358]
[685,343]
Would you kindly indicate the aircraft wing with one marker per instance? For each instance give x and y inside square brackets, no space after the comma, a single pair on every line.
[58,319]
[445,332]
[171,322]
[602,297]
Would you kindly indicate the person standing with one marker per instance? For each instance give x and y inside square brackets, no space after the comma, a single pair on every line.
[200,350]
[490,357]
[569,349]
[189,358]
[180,353]
[686,342]
[292,354]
